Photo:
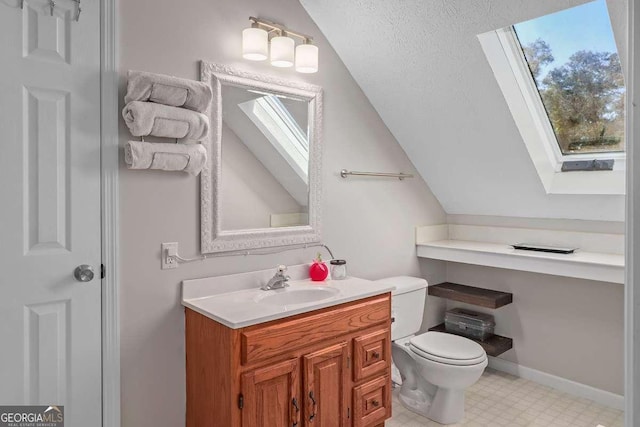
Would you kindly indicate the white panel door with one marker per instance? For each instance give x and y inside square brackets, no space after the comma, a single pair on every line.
[50,323]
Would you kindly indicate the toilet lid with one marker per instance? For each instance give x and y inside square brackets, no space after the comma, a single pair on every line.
[447,348]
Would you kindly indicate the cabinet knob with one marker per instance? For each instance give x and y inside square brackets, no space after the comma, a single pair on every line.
[375,355]
[375,403]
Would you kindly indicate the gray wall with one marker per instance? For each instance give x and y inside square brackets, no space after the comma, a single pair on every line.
[566,327]
[369,222]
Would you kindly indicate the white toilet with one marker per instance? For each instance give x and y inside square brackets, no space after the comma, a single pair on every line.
[436,368]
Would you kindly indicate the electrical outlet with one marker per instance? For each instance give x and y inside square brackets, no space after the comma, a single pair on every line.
[168,253]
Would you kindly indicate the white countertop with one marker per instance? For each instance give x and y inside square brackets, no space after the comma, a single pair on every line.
[241,308]
[581,264]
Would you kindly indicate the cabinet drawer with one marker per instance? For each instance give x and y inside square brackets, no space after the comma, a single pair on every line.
[371,354]
[372,402]
[282,337]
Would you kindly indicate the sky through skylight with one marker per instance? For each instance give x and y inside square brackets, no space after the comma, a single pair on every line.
[573,59]
[584,27]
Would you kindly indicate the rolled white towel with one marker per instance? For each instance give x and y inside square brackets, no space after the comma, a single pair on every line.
[147,118]
[168,90]
[167,157]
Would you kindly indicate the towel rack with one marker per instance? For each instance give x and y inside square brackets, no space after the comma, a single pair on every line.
[142,139]
[344,173]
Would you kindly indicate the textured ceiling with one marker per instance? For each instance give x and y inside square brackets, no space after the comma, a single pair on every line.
[422,67]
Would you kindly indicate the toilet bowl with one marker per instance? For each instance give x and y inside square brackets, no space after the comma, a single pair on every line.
[434,378]
[436,368]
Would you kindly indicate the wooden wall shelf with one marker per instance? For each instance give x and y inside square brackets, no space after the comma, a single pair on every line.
[494,346]
[471,295]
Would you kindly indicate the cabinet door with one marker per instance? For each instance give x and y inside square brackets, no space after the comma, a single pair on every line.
[271,396]
[325,379]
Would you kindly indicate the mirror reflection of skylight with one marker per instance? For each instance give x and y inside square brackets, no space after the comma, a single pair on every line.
[275,122]
[273,104]
[574,62]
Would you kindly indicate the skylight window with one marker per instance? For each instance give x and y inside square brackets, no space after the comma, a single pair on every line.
[573,61]
[561,78]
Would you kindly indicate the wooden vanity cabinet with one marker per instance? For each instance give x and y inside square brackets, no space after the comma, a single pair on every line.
[325,368]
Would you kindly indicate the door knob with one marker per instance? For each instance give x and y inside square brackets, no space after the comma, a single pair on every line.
[83,273]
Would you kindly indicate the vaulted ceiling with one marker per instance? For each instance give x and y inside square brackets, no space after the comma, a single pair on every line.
[420,64]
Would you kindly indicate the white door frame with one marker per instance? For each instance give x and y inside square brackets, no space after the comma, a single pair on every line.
[632,261]
[109,182]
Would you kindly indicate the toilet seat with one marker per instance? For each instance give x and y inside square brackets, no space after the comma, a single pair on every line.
[447,349]
[445,361]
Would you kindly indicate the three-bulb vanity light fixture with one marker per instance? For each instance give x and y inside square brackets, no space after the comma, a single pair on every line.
[284,52]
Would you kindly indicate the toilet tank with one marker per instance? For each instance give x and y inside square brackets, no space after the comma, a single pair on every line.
[407,305]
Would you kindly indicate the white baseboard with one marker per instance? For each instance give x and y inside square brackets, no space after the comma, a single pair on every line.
[603,397]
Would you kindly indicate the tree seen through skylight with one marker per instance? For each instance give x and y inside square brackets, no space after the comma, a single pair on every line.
[574,62]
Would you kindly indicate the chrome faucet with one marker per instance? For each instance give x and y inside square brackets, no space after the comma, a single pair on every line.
[278,281]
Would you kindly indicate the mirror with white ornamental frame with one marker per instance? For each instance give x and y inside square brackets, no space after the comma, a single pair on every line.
[261,185]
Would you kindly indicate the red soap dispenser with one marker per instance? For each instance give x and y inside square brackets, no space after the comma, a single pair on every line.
[318,271]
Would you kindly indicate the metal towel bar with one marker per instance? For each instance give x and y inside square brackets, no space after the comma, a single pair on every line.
[344,173]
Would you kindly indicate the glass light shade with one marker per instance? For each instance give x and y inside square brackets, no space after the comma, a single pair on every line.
[255,44]
[282,51]
[307,58]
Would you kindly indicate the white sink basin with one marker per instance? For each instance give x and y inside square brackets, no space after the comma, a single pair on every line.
[296,295]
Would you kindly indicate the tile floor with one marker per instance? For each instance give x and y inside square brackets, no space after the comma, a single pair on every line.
[500,399]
